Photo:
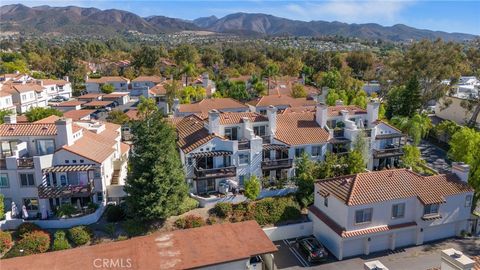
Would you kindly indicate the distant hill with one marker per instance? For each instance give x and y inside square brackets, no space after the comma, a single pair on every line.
[85,21]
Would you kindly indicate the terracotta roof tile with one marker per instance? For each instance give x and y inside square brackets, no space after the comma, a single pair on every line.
[77,114]
[51,82]
[70,103]
[49,119]
[181,249]
[191,133]
[281,100]
[124,148]
[90,96]
[229,118]
[158,89]
[107,79]
[11,87]
[154,79]
[379,186]
[132,114]
[352,110]
[212,103]
[300,128]
[97,103]
[28,129]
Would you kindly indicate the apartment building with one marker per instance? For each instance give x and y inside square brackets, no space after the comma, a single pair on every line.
[120,84]
[55,161]
[390,209]
[56,88]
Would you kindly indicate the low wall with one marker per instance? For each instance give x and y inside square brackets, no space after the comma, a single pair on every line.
[12,224]
[289,231]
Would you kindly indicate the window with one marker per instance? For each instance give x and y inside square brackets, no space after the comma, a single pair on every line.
[263,112]
[316,151]
[260,131]
[468,201]
[430,209]
[231,133]
[363,216]
[31,204]
[27,180]
[4,180]
[299,152]
[67,161]
[398,210]
[45,147]
[7,204]
[24,97]
[189,161]
[325,201]
[81,160]
[74,161]
[243,159]
[99,197]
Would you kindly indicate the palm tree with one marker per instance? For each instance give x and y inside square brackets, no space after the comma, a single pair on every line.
[271,70]
[189,71]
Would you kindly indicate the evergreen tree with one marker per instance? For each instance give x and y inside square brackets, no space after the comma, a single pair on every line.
[305,179]
[412,98]
[156,181]
[252,188]
[356,163]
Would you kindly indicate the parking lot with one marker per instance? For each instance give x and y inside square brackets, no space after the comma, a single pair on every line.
[413,258]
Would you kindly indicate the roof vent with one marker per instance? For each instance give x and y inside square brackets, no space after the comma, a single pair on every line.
[44,128]
[11,129]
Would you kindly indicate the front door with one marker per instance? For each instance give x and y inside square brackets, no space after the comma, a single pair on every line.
[205,186]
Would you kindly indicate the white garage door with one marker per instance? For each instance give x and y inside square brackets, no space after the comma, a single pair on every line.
[353,248]
[379,243]
[405,238]
[438,232]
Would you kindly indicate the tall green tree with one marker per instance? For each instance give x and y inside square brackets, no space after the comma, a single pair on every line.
[146,107]
[465,147]
[412,101]
[298,91]
[117,117]
[35,114]
[270,71]
[412,158]
[355,162]
[156,184]
[3,113]
[305,171]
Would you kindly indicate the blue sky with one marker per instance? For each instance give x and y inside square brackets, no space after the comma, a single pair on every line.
[450,16]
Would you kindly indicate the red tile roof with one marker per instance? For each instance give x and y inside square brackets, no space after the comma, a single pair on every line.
[281,100]
[132,114]
[158,89]
[51,82]
[300,128]
[154,79]
[212,103]
[379,186]
[107,79]
[77,114]
[47,128]
[353,233]
[181,249]
[191,133]
[229,118]
[49,119]
[11,87]
[352,110]
[70,103]
[90,96]
[97,103]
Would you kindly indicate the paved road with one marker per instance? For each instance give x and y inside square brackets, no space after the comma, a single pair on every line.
[435,157]
[413,258]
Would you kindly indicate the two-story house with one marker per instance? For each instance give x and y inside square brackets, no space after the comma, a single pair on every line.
[55,161]
[6,101]
[26,95]
[95,85]
[56,88]
[142,84]
[390,209]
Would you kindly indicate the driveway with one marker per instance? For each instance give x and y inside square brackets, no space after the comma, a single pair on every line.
[414,258]
[435,156]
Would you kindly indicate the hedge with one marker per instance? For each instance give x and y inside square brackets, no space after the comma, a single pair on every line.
[187,205]
[190,221]
[2,210]
[265,211]
[27,227]
[5,241]
[80,235]
[60,241]
[134,228]
[115,213]
[31,243]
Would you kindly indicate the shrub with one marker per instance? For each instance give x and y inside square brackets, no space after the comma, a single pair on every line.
[27,227]
[122,237]
[115,213]
[92,206]
[5,241]
[274,210]
[211,220]
[2,210]
[65,210]
[222,209]
[110,229]
[60,242]
[187,205]
[32,243]
[80,235]
[134,228]
[190,221]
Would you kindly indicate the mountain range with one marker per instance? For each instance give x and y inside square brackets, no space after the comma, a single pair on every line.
[92,21]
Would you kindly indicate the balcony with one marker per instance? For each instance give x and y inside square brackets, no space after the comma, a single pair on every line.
[277,164]
[368,133]
[45,191]
[266,139]
[338,133]
[243,145]
[25,163]
[215,172]
[385,153]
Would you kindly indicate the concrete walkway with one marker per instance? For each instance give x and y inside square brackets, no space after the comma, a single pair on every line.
[435,157]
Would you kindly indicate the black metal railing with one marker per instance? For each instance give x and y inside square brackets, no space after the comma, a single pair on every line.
[389,152]
[46,191]
[215,172]
[277,163]
[243,145]
[25,163]
[338,133]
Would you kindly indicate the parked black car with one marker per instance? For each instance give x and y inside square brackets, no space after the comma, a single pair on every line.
[312,249]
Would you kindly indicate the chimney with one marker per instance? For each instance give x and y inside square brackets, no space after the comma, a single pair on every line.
[10,119]
[321,114]
[175,105]
[66,78]
[338,102]
[344,115]
[461,170]
[64,132]
[374,265]
[214,122]
[455,260]
[372,111]
[272,119]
